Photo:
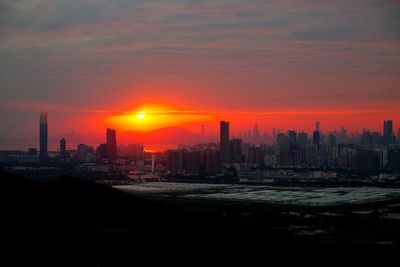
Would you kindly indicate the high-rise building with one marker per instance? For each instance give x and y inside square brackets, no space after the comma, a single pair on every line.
[85,153]
[211,161]
[101,151]
[343,136]
[283,141]
[398,136]
[224,141]
[192,162]
[394,160]
[316,138]
[235,150]
[111,144]
[332,139]
[366,138]
[302,139]
[317,126]
[388,132]
[292,137]
[43,136]
[256,134]
[63,147]
[175,161]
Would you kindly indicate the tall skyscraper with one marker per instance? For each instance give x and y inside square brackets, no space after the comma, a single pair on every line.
[317,126]
[388,132]
[235,150]
[332,139]
[224,141]
[111,144]
[316,138]
[292,137]
[302,139]
[63,146]
[398,136]
[43,136]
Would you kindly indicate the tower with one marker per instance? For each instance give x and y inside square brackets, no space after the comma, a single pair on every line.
[111,144]
[43,138]
[224,141]
[317,126]
[388,132]
[63,147]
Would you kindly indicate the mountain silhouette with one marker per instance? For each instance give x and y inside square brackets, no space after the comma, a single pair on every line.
[166,135]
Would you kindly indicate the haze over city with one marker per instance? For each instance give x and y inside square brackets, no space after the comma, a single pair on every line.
[282,64]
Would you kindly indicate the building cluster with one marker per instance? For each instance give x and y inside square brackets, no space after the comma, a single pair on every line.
[368,152]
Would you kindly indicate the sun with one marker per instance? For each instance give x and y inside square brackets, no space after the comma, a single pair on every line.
[140,115]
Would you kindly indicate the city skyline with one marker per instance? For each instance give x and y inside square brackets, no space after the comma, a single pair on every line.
[143,66]
[255,136]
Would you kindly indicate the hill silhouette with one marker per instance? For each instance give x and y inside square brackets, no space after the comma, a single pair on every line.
[165,135]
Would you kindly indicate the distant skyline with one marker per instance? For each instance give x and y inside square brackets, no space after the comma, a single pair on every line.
[145,65]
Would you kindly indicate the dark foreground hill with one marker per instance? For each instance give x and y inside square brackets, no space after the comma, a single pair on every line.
[70,217]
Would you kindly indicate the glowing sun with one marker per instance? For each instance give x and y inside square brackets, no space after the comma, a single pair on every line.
[140,115]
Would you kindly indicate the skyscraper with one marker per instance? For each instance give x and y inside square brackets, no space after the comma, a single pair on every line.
[235,150]
[302,139]
[317,126]
[398,136]
[388,132]
[332,139]
[111,144]
[224,141]
[292,137]
[316,138]
[43,136]
[63,147]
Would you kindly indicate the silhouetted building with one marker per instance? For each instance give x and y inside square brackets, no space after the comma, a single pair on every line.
[224,141]
[283,142]
[111,144]
[388,136]
[212,161]
[292,135]
[367,160]
[366,138]
[85,153]
[235,150]
[175,161]
[316,138]
[101,151]
[377,138]
[135,151]
[394,160]
[63,147]
[256,138]
[191,162]
[43,136]
[32,151]
[302,139]
[398,136]
[317,126]
[343,135]
[255,155]
[332,139]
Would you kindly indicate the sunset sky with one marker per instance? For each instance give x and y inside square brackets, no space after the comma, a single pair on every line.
[143,65]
